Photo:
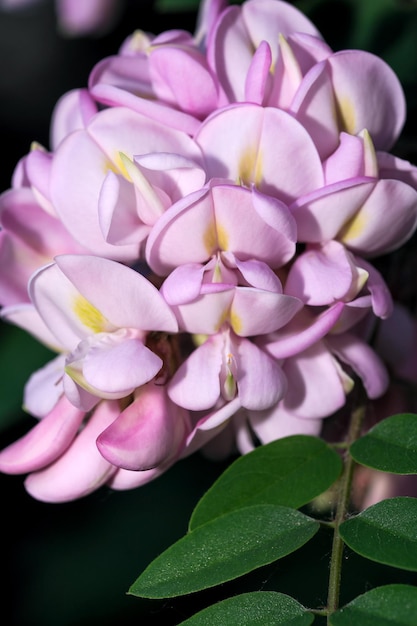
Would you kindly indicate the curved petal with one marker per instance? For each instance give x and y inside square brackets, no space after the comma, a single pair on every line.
[128,479]
[273,310]
[275,153]
[148,433]
[386,220]
[181,78]
[120,294]
[196,384]
[44,388]
[324,275]
[115,366]
[302,332]
[315,389]
[258,77]
[72,111]
[117,212]
[114,96]
[45,442]
[81,469]
[364,361]
[27,317]
[277,422]
[380,110]
[322,214]
[260,380]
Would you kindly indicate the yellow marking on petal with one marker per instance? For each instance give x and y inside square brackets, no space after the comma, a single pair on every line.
[124,163]
[139,42]
[370,158]
[89,315]
[222,238]
[346,114]
[119,166]
[217,274]
[199,339]
[37,146]
[354,228]
[222,319]
[210,239]
[250,168]
[235,322]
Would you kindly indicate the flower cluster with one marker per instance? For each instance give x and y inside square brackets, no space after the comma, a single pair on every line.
[196,246]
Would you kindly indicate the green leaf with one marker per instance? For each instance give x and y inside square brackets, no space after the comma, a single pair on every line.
[260,608]
[225,548]
[176,6]
[290,472]
[385,532]
[390,446]
[391,605]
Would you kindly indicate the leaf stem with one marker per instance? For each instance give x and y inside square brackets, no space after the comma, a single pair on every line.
[342,507]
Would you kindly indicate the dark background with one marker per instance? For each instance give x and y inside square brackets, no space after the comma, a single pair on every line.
[72,564]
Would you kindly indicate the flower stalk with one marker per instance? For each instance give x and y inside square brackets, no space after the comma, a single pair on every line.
[342,508]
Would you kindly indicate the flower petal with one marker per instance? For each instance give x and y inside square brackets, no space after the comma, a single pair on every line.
[81,469]
[45,442]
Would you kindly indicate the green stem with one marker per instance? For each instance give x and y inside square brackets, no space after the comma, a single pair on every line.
[343,502]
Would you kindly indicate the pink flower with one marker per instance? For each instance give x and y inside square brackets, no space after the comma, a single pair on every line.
[76,18]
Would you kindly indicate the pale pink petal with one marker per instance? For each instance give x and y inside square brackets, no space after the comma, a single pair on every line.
[381,298]
[44,388]
[207,314]
[287,77]
[277,422]
[117,367]
[315,389]
[273,310]
[58,303]
[196,384]
[45,442]
[347,161]
[180,76]
[123,296]
[229,52]
[148,433]
[260,380]
[72,111]
[193,214]
[323,275]
[364,361]
[308,49]
[314,107]
[209,426]
[303,331]
[78,396]
[254,273]
[386,220]
[275,153]
[87,155]
[117,211]
[266,19]
[381,110]
[81,469]
[253,225]
[258,76]
[129,479]
[183,284]
[27,317]
[76,19]
[114,97]
[321,215]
